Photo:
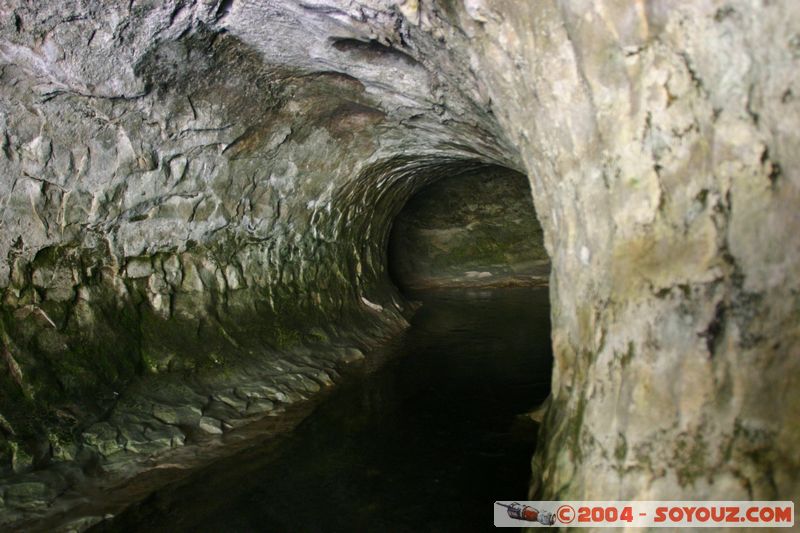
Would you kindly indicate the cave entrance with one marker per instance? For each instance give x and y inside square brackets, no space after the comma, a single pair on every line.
[475,229]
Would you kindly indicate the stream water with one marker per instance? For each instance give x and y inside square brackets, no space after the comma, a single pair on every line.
[427,442]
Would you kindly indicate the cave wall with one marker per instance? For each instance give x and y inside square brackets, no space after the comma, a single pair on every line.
[169,200]
[473,230]
[661,143]
[187,187]
[194,159]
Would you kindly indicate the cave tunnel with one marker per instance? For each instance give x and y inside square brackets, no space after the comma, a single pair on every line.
[477,229]
[349,255]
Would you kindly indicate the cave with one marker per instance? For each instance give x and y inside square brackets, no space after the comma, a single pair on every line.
[477,229]
[220,220]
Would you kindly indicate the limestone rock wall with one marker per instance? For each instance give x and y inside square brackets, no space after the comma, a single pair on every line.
[661,143]
[177,175]
[163,157]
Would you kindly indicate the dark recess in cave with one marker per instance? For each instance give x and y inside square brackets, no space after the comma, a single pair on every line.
[475,229]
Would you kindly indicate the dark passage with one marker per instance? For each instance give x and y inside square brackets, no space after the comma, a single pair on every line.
[426,443]
[475,229]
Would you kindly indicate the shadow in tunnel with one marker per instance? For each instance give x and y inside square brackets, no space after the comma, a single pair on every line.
[476,229]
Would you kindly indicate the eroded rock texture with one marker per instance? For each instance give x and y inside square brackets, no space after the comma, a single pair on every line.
[474,230]
[203,161]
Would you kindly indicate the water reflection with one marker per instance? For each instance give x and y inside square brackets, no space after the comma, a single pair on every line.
[426,443]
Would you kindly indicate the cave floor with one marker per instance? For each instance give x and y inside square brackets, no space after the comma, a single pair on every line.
[426,443]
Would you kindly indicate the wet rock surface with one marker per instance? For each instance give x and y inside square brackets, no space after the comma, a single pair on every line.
[170,424]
